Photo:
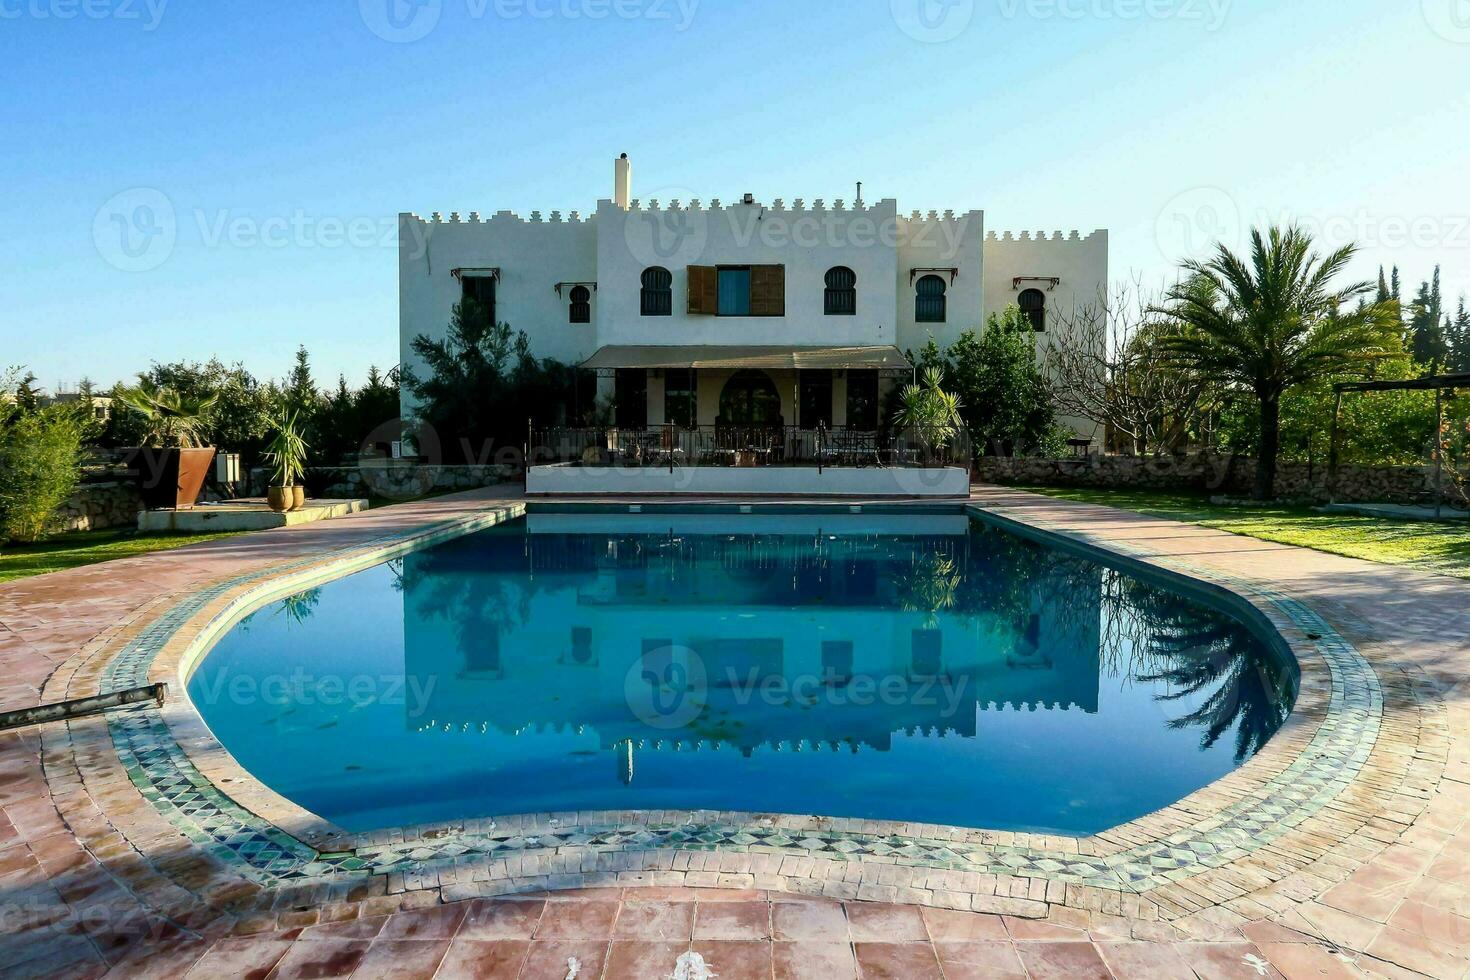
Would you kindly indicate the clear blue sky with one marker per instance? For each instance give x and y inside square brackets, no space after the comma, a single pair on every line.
[1151,118]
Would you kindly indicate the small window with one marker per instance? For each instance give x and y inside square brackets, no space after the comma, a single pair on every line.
[581,310]
[481,290]
[1033,308]
[929,304]
[734,292]
[657,297]
[840,299]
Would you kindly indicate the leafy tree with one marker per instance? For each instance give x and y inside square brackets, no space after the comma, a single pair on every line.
[27,395]
[1006,396]
[481,384]
[1270,322]
[40,465]
[239,421]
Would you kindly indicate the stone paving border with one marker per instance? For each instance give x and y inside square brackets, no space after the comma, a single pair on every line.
[1304,811]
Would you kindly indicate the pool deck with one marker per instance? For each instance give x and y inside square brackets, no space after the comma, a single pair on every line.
[1371,877]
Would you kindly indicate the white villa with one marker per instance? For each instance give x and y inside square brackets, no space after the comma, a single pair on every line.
[743,313]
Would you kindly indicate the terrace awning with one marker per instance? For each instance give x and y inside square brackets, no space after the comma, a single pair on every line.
[732,357]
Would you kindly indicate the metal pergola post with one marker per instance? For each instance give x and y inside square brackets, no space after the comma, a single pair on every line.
[1438,453]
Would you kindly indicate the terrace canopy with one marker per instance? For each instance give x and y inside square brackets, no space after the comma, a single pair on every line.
[1437,383]
[730,356]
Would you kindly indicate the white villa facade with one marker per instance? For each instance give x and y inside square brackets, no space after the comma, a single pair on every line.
[754,312]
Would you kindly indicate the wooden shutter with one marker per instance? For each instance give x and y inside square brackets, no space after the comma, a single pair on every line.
[704,289]
[768,290]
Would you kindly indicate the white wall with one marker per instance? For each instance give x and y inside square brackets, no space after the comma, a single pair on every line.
[941,242]
[532,255]
[569,479]
[1080,263]
[807,241]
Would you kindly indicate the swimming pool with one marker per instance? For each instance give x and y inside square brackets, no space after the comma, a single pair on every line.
[920,667]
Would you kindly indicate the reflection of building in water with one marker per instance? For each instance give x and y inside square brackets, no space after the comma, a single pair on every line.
[791,640]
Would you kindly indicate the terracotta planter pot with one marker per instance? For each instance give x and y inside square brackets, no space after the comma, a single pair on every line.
[171,479]
[280,499]
[298,497]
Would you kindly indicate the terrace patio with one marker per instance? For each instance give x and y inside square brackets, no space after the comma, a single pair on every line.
[1372,881]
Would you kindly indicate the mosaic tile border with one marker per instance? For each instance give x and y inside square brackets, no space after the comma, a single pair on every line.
[1267,798]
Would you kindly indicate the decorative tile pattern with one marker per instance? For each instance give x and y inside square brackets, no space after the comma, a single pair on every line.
[839,857]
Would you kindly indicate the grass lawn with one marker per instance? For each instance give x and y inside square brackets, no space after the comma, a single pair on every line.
[1436,547]
[87,548]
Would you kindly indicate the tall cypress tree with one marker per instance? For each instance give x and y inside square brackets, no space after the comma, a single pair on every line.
[1426,325]
[1457,340]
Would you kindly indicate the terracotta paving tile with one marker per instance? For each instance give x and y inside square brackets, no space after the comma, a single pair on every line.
[1296,961]
[471,959]
[736,958]
[402,959]
[242,957]
[550,960]
[1376,905]
[811,960]
[951,926]
[1144,961]
[980,960]
[813,920]
[434,922]
[1039,930]
[873,923]
[1062,961]
[365,927]
[639,960]
[489,919]
[317,959]
[1226,961]
[1412,952]
[666,921]
[732,920]
[897,961]
[577,920]
[1441,929]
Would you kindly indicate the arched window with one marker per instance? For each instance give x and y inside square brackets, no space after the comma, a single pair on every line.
[1033,308]
[581,310]
[840,298]
[929,304]
[657,298]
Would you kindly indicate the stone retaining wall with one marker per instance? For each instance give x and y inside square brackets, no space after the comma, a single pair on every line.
[95,506]
[1226,475]
[396,481]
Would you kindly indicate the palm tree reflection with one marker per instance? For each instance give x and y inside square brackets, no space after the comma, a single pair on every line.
[1242,683]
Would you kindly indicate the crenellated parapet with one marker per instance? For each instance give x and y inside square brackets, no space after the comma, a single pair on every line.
[1041,236]
[502,218]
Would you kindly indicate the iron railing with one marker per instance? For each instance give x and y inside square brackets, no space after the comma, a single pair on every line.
[671,446]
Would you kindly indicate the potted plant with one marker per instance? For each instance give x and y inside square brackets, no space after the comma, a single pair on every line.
[287,454]
[930,414]
[173,461]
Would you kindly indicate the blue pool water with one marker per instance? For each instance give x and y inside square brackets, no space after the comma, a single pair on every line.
[905,667]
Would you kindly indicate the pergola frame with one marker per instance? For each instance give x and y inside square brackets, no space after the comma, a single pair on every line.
[1437,383]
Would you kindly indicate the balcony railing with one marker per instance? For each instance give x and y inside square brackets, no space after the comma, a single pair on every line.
[747,445]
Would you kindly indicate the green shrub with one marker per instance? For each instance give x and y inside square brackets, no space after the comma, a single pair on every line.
[40,464]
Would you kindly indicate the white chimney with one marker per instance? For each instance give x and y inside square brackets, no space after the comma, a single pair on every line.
[622,182]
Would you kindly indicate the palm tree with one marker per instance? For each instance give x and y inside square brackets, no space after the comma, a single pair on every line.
[1271,323]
